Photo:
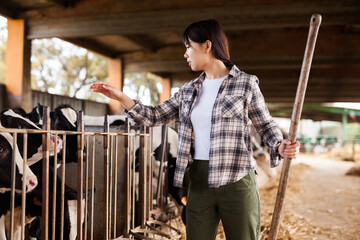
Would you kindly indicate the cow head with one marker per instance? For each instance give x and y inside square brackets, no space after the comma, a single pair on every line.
[36,115]
[64,117]
[9,119]
[7,150]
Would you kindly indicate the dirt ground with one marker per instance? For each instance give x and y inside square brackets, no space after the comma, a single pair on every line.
[321,201]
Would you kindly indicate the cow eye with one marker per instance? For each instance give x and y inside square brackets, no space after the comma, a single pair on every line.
[1,149]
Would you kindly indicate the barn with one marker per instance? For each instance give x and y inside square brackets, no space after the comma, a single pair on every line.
[267,38]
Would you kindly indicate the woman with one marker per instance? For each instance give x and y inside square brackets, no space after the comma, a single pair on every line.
[214,111]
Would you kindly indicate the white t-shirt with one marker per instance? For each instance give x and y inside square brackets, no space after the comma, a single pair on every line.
[201,117]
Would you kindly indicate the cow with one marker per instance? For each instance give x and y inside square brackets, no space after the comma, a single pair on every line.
[13,120]
[7,150]
[64,117]
[10,119]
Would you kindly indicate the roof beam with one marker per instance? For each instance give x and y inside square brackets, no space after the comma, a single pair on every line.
[245,18]
[141,41]
[7,10]
[247,63]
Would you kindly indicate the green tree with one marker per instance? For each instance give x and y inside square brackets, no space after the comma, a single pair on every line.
[62,68]
[143,84]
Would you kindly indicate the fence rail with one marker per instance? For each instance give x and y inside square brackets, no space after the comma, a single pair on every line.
[104,179]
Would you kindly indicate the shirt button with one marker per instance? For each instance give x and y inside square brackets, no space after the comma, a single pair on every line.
[211,136]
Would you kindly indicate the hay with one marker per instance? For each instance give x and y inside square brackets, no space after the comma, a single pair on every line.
[296,224]
[347,153]
[355,171]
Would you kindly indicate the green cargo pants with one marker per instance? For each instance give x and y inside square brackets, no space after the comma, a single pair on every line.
[237,205]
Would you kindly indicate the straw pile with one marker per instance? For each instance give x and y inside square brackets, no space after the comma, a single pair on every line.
[355,171]
[349,152]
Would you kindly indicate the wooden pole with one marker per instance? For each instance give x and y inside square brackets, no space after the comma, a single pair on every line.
[295,119]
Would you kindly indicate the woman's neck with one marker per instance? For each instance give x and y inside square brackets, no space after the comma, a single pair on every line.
[216,69]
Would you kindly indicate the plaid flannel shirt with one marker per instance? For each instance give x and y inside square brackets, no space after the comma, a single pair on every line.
[239,100]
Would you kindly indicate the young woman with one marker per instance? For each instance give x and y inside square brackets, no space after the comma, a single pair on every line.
[214,112]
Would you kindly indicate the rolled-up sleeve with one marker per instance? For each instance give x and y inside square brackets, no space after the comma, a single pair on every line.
[264,124]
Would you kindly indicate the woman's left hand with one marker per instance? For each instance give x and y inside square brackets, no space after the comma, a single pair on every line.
[286,149]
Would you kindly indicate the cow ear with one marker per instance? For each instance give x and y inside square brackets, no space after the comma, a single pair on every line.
[40,108]
[4,110]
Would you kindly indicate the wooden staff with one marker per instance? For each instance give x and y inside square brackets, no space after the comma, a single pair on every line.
[295,118]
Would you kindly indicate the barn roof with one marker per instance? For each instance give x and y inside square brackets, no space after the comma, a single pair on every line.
[267,38]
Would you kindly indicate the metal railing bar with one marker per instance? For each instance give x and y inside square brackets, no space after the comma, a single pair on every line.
[86,187]
[106,178]
[110,180]
[92,188]
[13,181]
[115,183]
[80,176]
[54,190]
[63,187]
[23,196]
[45,175]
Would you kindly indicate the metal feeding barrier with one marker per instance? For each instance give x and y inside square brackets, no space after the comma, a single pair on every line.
[113,200]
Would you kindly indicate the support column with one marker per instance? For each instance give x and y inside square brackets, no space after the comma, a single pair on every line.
[344,124]
[166,89]
[18,66]
[116,78]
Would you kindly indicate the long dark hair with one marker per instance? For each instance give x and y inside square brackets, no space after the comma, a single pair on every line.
[210,29]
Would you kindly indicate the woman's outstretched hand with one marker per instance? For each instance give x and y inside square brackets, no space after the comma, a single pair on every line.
[286,149]
[112,92]
[106,89]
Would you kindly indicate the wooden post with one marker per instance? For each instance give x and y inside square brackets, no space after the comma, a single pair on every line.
[295,119]
[18,66]
[166,89]
[343,127]
[116,78]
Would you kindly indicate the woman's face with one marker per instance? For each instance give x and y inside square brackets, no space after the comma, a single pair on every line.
[196,55]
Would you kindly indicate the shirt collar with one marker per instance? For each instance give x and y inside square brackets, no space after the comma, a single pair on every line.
[234,72]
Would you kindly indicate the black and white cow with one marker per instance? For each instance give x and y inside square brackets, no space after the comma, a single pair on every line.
[12,120]
[7,150]
[64,117]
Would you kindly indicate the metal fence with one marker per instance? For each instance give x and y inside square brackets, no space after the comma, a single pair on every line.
[109,196]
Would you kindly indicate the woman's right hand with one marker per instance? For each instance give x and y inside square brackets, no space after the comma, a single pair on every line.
[106,89]
[112,92]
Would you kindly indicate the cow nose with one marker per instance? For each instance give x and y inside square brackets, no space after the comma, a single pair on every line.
[33,182]
[59,143]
